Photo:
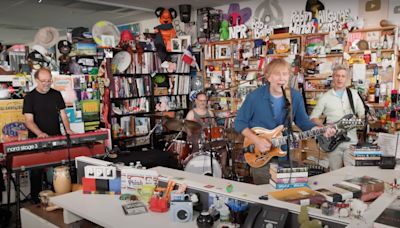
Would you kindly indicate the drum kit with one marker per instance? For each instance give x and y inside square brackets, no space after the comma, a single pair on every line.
[203,152]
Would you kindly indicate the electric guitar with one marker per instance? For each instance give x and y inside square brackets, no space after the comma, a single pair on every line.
[330,144]
[255,158]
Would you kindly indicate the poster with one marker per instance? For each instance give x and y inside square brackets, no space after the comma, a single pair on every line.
[65,84]
[91,114]
[12,121]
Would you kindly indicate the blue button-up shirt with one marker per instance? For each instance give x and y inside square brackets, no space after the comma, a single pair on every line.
[257,111]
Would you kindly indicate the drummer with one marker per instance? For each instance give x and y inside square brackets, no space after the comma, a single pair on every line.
[201,114]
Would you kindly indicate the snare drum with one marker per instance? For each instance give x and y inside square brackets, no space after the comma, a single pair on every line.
[200,163]
[213,133]
[181,148]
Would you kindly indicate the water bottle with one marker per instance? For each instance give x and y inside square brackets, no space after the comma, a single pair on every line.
[138,165]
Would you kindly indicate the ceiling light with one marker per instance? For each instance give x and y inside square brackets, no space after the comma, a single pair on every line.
[101,2]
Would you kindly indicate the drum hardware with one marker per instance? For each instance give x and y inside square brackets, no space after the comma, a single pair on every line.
[188,126]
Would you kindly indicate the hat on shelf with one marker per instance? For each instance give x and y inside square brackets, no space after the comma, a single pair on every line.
[126,36]
[106,28]
[47,37]
[81,34]
[122,60]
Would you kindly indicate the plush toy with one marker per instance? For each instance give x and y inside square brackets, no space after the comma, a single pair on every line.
[224,30]
[304,219]
[311,67]
[165,31]
[162,105]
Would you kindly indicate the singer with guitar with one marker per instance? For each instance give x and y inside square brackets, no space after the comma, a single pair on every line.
[42,109]
[334,104]
[265,108]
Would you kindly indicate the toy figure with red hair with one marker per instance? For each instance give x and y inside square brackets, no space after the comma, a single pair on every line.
[164,32]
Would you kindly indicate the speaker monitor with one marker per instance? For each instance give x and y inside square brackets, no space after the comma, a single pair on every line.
[184,12]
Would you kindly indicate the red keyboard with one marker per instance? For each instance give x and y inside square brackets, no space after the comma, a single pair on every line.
[52,142]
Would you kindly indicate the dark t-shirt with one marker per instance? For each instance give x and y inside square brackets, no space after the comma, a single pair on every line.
[44,108]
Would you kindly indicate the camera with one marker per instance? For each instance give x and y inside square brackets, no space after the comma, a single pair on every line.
[181,208]
[181,211]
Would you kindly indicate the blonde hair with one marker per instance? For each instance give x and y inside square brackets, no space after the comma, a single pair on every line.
[276,64]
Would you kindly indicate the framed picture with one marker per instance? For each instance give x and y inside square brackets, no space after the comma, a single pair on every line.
[223,52]
[108,40]
[185,42]
[176,45]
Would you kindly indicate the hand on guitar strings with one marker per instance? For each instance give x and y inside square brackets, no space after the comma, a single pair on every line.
[330,131]
[262,144]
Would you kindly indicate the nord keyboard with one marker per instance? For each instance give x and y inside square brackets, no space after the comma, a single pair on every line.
[52,142]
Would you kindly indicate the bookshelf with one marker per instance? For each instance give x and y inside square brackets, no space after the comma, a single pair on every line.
[137,94]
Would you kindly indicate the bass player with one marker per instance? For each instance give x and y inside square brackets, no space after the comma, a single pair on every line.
[334,104]
[265,107]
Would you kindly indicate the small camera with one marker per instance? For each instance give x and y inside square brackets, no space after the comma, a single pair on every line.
[181,211]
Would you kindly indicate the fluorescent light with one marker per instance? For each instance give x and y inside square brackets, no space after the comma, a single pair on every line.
[100,2]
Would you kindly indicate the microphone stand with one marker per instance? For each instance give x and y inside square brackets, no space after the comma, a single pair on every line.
[366,113]
[288,121]
[68,140]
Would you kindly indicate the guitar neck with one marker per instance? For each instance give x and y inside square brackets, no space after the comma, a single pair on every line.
[277,142]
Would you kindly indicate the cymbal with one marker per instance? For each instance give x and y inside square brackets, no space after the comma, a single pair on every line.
[184,125]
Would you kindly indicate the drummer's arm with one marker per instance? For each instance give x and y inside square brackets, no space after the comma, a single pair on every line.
[214,123]
[190,115]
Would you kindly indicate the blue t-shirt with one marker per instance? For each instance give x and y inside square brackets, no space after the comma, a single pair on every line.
[277,107]
[339,93]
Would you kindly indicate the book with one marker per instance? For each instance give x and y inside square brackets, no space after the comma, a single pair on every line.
[287,185]
[292,180]
[330,195]
[390,216]
[367,162]
[356,192]
[275,175]
[370,196]
[365,184]
[301,196]
[281,169]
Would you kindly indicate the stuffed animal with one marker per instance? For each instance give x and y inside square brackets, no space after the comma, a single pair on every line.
[162,105]
[310,67]
[165,29]
[224,30]
[304,219]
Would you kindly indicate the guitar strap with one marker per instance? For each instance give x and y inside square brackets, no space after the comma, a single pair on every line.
[350,96]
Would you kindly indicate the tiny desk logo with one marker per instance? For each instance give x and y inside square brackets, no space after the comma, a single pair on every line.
[373,5]
[396,10]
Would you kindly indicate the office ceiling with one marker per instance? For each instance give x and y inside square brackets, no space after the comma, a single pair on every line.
[20,19]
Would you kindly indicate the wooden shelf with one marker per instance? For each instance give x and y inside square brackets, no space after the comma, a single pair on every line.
[315,78]
[130,114]
[371,50]
[323,56]
[222,59]
[316,90]
[126,98]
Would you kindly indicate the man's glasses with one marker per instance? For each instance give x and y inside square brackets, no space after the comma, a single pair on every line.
[44,81]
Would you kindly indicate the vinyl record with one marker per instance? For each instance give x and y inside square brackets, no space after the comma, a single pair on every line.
[122,60]
[108,29]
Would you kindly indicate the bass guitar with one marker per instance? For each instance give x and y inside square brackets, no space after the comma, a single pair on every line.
[255,158]
[330,144]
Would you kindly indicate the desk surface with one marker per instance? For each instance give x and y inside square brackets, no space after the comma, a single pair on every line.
[106,210]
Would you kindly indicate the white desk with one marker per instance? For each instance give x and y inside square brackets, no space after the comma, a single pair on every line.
[105,210]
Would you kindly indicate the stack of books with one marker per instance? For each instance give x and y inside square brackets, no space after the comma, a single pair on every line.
[366,155]
[371,188]
[285,177]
